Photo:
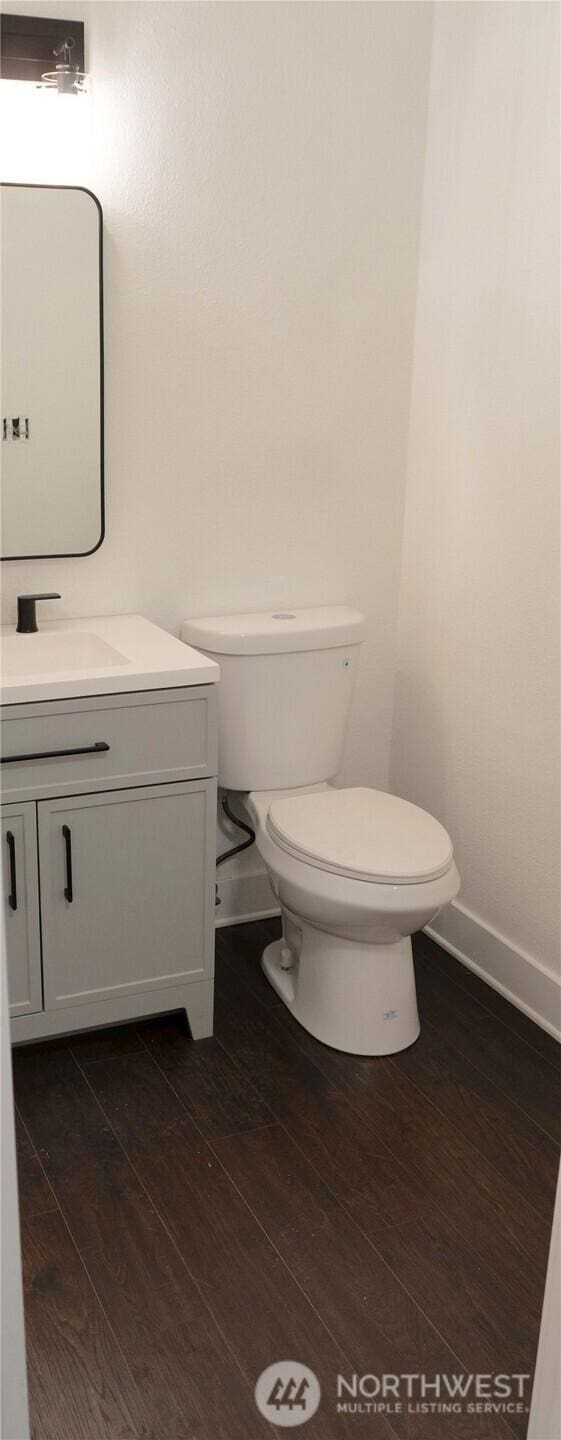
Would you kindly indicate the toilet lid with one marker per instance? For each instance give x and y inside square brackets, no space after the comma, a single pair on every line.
[365,834]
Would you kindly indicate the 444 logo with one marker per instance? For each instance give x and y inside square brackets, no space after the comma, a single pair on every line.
[287,1393]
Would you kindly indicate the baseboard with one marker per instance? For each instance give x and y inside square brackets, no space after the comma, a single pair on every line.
[244,898]
[518,976]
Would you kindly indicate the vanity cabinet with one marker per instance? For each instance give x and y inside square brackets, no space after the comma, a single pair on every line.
[124,891]
[108,881]
[21,893]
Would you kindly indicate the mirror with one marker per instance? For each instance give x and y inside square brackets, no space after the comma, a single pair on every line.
[52,372]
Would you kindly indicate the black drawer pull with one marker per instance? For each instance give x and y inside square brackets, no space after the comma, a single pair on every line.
[68,889]
[13,895]
[96,749]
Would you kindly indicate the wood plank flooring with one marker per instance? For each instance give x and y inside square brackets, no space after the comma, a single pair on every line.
[191,1213]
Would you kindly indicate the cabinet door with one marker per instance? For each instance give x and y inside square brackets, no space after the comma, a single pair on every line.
[21,903]
[127,899]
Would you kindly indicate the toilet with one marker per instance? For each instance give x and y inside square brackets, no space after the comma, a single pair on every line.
[356,871]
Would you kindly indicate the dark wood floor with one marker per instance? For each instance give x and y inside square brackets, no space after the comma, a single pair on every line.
[191,1213]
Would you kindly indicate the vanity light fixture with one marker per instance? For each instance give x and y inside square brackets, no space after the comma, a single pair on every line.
[42,64]
[67,78]
[30,42]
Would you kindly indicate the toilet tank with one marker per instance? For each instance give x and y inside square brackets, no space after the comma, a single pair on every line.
[286,683]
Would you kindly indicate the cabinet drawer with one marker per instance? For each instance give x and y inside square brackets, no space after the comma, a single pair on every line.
[70,747]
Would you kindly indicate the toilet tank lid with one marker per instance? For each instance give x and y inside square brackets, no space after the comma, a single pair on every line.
[272,632]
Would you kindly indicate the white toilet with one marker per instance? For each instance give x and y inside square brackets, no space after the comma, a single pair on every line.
[356,871]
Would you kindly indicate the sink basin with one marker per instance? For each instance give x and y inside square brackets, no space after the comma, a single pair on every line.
[50,652]
[104,655]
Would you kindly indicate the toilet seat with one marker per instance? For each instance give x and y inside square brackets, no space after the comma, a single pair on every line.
[363,834]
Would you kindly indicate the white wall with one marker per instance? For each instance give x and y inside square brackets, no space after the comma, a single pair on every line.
[260,168]
[476,726]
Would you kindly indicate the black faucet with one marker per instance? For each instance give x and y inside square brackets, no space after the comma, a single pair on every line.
[27,615]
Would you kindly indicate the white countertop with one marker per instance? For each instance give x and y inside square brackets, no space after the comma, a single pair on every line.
[64,659]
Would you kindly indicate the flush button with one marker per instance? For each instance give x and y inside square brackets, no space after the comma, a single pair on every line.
[283,615]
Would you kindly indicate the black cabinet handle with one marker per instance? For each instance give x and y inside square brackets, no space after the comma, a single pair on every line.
[96,749]
[13,895]
[68,889]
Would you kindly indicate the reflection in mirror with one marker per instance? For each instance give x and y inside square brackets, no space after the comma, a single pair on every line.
[52,372]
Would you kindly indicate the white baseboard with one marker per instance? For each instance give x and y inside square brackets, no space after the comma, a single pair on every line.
[244,898]
[518,976]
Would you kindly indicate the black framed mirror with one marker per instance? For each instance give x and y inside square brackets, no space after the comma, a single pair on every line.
[53,499]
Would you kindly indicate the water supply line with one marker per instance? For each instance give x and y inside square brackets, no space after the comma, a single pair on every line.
[234,849]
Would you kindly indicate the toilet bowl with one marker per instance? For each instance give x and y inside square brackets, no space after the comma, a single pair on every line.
[356,871]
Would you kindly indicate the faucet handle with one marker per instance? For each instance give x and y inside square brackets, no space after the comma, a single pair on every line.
[27,617]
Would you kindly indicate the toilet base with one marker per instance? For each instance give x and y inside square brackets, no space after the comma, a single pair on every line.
[354,997]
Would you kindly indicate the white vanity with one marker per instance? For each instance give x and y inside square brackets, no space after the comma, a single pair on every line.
[109,762]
